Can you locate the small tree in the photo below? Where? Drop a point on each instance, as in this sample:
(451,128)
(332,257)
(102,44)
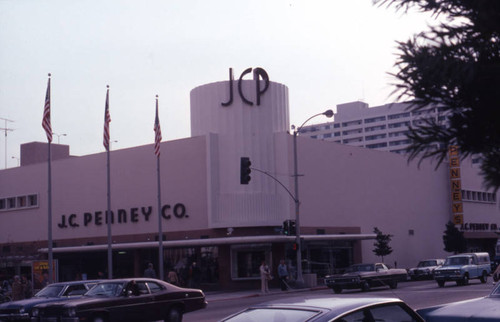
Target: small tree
(454,240)
(381,244)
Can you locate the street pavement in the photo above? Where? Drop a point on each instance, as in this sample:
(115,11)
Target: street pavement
(231,295)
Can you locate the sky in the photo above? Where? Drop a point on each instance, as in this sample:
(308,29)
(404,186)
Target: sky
(327,52)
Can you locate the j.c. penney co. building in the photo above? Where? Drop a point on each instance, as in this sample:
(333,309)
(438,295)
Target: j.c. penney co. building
(227,228)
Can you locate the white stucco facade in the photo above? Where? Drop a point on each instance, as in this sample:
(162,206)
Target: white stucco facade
(345,191)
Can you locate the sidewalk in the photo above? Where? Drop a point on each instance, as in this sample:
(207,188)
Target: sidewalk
(231,295)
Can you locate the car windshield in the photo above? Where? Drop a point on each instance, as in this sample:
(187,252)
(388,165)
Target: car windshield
(274,314)
(360,268)
(50,291)
(427,263)
(106,289)
(456,261)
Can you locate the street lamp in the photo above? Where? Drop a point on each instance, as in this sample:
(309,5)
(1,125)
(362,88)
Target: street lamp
(300,278)
(59,136)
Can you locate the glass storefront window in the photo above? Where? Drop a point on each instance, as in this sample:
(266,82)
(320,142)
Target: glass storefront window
(246,260)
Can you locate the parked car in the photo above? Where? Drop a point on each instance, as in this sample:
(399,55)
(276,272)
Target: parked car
(130,299)
(481,309)
(425,269)
(463,267)
(366,276)
(21,310)
(329,309)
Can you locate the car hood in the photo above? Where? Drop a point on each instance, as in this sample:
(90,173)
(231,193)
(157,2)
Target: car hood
(350,274)
(29,303)
(81,301)
(483,309)
(449,267)
(423,267)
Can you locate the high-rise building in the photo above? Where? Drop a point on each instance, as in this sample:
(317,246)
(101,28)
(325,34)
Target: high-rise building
(381,128)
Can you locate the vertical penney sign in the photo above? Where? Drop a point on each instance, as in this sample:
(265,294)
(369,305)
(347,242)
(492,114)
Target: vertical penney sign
(456,186)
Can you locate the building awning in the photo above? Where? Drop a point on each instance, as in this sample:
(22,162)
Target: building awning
(208,242)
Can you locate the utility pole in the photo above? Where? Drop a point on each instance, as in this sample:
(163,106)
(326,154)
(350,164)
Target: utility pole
(6,129)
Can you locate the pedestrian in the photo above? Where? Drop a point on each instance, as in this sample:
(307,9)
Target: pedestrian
(17,289)
(283,275)
(265,276)
(194,275)
(150,271)
(27,287)
(172,277)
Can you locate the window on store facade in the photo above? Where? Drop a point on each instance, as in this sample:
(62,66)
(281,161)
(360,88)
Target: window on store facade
(246,260)
(19,202)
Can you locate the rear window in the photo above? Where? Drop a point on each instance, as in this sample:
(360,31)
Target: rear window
(387,313)
(74,290)
(274,314)
(154,287)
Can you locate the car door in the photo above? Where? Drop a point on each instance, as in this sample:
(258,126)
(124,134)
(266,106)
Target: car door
(163,300)
(133,304)
(381,275)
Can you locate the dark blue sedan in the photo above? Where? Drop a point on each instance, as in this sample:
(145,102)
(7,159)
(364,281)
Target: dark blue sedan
(368,309)
(21,310)
(482,309)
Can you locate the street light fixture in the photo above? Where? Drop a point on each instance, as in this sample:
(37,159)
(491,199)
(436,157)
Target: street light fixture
(59,136)
(300,278)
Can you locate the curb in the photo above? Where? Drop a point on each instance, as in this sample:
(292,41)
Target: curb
(241,296)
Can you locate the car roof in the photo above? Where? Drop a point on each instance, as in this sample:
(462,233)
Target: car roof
(76,282)
(335,305)
(129,279)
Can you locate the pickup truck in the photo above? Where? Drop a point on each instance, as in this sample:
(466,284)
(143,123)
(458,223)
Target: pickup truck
(366,276)
(463,267)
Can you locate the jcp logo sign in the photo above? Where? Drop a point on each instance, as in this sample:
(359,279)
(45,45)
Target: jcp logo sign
(258,75)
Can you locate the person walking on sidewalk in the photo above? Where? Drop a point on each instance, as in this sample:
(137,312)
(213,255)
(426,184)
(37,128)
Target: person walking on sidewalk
(265,276)
(150,271)
(283,275)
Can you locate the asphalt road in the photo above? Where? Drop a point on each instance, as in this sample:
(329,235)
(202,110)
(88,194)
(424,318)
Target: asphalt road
(418,295)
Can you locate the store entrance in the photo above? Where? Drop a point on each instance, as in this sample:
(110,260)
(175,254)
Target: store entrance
(327,257)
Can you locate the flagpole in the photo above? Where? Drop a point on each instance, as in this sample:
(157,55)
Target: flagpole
(160,230)
(108,219)
(49,195)
(46,124)
(108,212)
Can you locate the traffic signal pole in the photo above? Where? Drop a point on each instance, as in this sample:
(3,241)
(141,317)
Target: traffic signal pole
(245,178)
(300,278)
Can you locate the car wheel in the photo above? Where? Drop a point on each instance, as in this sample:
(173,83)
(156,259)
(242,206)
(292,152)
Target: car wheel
(365,287)
(440,283)
(337,290)
(484,278)
(465,280)
(174,315)
(393,284)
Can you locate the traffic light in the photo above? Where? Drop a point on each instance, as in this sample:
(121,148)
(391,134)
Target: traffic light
(291,226)
(295,246)
(286,227)
(245,170)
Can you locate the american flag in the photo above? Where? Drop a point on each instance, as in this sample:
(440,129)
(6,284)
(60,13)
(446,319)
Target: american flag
(157,130)
(107,119)
(46,114)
